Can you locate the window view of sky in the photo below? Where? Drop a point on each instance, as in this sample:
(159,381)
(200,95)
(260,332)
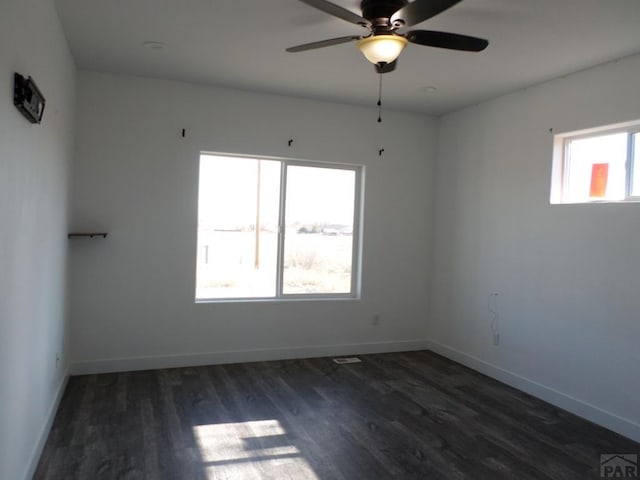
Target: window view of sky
(228,192)
(323,195)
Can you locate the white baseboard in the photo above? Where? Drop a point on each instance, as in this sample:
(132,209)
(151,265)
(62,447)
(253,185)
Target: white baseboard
(46,428)
(241,356)
(597,415)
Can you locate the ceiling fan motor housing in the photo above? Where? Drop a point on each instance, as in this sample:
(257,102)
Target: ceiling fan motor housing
(384,18)
(380,9)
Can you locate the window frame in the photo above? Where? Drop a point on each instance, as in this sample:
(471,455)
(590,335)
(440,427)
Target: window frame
(356,253)
(561,170)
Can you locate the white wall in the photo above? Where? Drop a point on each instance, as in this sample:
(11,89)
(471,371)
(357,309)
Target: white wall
(567,275)
(136,178)
(34,167)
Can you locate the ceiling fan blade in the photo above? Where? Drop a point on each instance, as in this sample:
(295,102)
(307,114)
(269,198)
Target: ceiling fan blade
(323,43)
(452,41)
(386,67)
(338,11)
(419,11)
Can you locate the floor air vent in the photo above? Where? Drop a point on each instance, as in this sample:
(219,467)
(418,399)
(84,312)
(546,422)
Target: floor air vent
(342,361)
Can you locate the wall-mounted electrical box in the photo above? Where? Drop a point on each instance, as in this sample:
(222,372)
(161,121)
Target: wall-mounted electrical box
(28,98)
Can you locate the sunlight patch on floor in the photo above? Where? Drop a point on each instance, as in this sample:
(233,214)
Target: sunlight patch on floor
(252,449)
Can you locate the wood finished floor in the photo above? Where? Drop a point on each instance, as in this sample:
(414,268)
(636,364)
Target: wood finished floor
(395,416)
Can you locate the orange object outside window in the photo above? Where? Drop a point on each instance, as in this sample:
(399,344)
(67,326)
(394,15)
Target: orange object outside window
(599,177)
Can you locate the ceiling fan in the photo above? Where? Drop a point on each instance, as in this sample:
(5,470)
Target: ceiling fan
(384,42)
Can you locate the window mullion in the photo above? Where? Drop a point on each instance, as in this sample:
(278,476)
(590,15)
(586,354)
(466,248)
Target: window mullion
(629,166)
(356,249)
(566,169)
(281,229)
(633,150)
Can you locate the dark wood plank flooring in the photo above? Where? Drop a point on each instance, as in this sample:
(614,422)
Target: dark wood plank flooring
(394,416)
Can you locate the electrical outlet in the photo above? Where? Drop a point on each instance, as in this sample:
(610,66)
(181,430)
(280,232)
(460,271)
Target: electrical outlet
(375,320)
(496,339)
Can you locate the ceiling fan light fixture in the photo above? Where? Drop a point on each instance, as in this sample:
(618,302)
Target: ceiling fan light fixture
(382,48)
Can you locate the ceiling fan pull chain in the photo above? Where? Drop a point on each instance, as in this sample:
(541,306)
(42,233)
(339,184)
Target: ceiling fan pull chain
(380,100)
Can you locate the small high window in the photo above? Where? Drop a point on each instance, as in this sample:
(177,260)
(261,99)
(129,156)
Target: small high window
(598,165)
(277,229)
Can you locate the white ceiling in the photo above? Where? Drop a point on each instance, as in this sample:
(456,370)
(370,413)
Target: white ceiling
(241,44)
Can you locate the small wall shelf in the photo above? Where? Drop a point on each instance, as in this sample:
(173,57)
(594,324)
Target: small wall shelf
(87,235)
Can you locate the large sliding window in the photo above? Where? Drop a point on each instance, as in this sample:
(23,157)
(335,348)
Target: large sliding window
(277,229)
